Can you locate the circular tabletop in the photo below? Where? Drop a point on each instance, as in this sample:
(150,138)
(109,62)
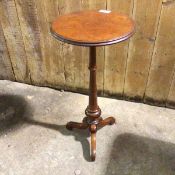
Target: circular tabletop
(93,28)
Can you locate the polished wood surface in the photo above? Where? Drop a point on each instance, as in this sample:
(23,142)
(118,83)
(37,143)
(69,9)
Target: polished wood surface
(93,28)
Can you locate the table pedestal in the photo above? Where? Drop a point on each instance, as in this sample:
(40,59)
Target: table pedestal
(93,112)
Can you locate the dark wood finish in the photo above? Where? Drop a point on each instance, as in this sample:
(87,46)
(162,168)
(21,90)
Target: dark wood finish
(92,28)
(93,112)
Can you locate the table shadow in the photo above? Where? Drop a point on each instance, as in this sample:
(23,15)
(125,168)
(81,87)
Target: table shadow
(12,112)
(79,135)
(137,155)
(16,112)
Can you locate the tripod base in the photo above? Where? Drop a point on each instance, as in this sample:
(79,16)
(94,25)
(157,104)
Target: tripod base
(93,126)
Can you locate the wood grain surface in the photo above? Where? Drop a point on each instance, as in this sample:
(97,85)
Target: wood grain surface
(163,61)
(93,28)
(140,69)
(5,62)
(14,39)
(116,55)
(146,14)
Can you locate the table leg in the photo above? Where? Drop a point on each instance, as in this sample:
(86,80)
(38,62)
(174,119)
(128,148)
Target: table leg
(93,112)
(93,130)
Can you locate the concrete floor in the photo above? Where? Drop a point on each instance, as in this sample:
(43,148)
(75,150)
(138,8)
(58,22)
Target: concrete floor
(34,141)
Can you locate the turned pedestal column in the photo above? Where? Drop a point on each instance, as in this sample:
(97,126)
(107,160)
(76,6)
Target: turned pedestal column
(93,112)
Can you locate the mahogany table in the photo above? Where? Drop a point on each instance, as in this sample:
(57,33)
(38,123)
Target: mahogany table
(92,29)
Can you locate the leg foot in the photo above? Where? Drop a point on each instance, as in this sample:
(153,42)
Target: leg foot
(107,121)
(76,125)
(93,129)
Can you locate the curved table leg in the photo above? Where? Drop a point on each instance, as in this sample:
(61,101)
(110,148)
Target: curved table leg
(93,130)
(72,125)
(107,121)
